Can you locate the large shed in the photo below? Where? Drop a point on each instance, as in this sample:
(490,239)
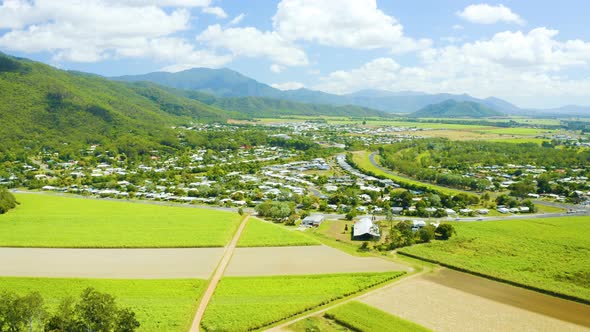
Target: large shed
(365,229)
(314,220)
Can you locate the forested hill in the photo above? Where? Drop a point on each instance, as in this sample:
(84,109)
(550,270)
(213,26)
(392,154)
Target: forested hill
(43,107)
(456,109)
(269,107)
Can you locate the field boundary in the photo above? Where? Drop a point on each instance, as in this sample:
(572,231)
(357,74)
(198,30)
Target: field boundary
(208,294)
(499,279)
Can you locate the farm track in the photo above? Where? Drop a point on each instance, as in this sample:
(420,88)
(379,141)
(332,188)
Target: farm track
(229,251)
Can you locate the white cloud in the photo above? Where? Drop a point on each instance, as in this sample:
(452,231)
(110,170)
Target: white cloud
(357,24)
(288,86)
(530,68)
(95,30)
(457,27)
(252,42)
(487,14)
(236,20)
(276,68)
(217,11)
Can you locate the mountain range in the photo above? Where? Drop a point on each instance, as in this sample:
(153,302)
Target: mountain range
(228,83)
(456,109)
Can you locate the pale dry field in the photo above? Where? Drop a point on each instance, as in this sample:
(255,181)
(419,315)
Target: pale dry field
(453,301)
(109,263)
(266,261)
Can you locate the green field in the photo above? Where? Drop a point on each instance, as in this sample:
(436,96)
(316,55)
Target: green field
(161,305)
(249,303)
(552,254)
(54,221)
(361,317)
(260,233)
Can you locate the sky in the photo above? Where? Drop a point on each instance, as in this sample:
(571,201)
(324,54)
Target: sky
(533,53)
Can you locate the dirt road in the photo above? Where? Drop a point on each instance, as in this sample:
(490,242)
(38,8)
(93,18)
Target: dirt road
(109,263)
(229,250)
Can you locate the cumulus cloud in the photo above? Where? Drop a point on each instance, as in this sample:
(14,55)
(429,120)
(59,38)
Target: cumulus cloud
(217,11)
(96,30)
(357,24)
(288,86)
(252,42)
(487,14)
(530,67)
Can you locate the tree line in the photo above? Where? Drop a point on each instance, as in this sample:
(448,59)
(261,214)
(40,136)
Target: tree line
(92,312)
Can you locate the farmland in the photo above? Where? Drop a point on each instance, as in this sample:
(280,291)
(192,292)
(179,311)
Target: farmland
(160,305)
(269,261)
(260,233)
(552,254)
(245,303)
(361,317)
(53,221)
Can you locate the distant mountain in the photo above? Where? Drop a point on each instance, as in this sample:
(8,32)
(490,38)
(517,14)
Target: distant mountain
(220,82)
(228,83)
(42,107)
(568,110)
(455,109)
(268,107)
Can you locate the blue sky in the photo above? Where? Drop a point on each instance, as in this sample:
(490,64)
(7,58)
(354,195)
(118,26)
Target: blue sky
(531,53)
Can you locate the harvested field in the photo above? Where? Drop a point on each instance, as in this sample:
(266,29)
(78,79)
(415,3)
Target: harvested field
(454,301)
(109,263)
(269,261)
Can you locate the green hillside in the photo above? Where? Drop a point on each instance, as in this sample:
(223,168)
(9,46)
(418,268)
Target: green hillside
(455,109)
(268,107)
(43,107)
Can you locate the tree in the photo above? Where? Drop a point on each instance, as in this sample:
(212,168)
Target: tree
(445,231)
(32,309)
(7,200)
(426,233)
(97,311)
(241,211)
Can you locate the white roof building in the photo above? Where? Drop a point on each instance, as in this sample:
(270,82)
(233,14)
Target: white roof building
(365,226)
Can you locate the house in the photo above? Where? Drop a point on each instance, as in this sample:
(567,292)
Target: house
(365,229)
(483,211)
(397,210)
(417,224)
(503,210)
(314,220)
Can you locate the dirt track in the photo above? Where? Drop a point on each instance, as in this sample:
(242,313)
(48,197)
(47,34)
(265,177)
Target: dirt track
(454,301)
(109,263)
(303,260)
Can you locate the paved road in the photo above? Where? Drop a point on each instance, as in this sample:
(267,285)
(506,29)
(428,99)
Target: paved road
(229,251)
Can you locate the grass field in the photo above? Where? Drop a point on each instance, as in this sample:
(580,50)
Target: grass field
(160,305)
(551,254)
(361,159)
(316,323)
(249,303)
(259,233)
(361,317)
(54,221)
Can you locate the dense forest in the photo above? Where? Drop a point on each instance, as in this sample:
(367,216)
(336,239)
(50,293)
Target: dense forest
(46,108)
